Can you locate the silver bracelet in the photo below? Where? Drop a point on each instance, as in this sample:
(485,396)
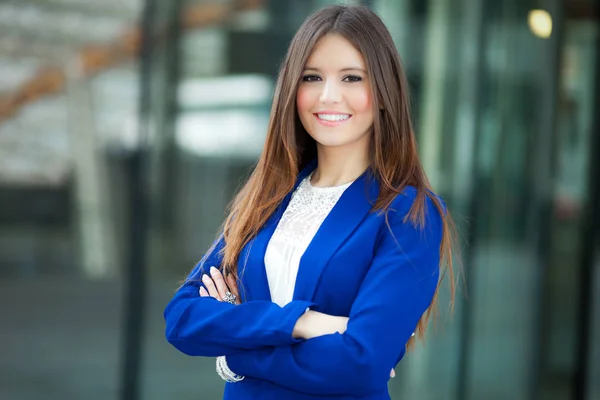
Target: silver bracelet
(225,372)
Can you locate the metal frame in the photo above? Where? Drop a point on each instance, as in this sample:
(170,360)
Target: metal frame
(155,15)
(591,236)
(545,170)
(466,320)
(135,288)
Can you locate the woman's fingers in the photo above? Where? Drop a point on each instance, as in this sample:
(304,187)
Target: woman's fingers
(210,286)
(393,373)
(220,284)
(217,286)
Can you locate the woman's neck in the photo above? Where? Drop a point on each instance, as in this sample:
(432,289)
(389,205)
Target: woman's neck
(337,166)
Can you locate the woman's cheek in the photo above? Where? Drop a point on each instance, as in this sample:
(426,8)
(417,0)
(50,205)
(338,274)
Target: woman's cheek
(303,100)
(362,101)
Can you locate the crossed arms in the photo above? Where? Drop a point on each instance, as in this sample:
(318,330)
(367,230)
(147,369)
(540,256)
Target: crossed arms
(265,341)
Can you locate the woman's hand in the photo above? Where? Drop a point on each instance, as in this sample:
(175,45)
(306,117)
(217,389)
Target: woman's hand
(313,323)
(218,286)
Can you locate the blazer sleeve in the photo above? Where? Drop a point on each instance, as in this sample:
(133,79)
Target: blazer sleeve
(395,293)
(203,326)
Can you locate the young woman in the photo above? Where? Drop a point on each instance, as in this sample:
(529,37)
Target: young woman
(336,242)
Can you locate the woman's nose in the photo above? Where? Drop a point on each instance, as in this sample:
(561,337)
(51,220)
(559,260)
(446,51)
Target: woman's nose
(331,93)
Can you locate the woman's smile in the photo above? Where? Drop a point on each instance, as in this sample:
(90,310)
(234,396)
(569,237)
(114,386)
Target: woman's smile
(332,119)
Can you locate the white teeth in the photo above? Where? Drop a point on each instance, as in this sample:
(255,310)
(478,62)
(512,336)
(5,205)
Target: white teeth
(334,117)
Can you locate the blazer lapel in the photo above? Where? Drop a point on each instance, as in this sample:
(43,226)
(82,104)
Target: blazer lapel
(252,264)
(252,259)
(352,207)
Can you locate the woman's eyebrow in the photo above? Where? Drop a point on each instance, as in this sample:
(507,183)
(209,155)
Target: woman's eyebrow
(341,70)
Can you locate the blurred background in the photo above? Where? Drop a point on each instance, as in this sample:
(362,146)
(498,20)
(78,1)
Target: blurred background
(127,125)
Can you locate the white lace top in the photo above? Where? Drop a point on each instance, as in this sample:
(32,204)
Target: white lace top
(308,208)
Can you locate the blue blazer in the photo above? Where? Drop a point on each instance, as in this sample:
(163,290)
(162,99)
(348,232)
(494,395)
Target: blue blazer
(382,277)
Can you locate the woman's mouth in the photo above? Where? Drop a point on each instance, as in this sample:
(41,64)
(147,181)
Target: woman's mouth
(332,119)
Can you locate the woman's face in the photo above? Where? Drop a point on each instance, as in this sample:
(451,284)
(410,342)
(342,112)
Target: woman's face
(334,96)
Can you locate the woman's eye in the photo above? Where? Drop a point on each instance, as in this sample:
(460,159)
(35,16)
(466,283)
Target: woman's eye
(352,78)
(310,78)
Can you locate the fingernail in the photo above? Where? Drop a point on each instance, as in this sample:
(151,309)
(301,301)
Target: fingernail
(213,270)
(204,277)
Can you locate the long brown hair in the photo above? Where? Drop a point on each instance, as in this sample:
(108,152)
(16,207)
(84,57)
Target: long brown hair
(288,147)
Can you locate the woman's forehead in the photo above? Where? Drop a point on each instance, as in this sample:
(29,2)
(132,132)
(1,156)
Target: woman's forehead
(334,52)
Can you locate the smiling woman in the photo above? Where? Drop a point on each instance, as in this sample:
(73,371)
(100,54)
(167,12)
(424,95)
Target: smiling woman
(331,257)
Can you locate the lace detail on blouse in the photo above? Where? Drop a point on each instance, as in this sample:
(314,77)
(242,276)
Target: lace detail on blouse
(308,208)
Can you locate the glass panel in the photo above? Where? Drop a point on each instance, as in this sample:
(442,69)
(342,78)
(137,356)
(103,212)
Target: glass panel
(503,256)
(570,194)
(68,104)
